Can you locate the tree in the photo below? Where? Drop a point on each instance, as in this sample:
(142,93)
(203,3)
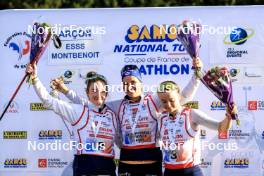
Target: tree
(34,4)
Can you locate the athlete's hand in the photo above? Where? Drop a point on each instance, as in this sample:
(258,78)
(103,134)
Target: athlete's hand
(58,84)
(229,112)
(32,70)
(197,63)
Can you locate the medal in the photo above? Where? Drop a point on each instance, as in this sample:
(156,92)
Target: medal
(133,119)
(171,131)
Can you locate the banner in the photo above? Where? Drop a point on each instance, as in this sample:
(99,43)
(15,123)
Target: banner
(104,40)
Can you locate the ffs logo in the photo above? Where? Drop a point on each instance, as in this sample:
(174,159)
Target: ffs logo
(22,48)
(19,44)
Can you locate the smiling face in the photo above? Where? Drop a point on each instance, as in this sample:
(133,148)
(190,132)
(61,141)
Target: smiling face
(169,95)
(169,100)
(97,93)
(132,86)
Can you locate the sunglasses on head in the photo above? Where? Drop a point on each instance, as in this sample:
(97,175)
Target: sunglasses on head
(94,77)
(129,68)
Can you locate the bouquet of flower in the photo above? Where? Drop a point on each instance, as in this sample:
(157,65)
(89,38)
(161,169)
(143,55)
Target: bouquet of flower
(40,38)
(217,79)
(41,35)
(189,36)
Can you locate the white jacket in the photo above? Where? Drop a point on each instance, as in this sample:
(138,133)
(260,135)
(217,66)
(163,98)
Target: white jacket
(95,132)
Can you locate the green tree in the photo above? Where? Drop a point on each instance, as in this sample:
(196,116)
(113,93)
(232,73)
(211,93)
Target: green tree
(34,4)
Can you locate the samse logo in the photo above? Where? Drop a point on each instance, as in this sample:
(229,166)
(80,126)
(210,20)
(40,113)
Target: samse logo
(15,163)
(236,163)
(154,33)
(217,105)
(50,134)
(143,40)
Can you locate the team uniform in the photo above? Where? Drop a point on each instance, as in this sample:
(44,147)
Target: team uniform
(180,142)
(139,127)
(138,122)
(95,131)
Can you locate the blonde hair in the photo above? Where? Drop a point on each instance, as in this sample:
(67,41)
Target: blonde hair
(166,86)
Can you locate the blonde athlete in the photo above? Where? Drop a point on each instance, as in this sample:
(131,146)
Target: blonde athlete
(179,132)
